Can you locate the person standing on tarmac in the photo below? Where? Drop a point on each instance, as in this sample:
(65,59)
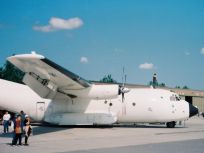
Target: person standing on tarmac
(6,120)
(28,129)
(18,130)
(22,116)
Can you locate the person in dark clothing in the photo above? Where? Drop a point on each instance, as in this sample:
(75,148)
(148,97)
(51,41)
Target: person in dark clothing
(28,128)
(22,117)
(155,83)
(18,130)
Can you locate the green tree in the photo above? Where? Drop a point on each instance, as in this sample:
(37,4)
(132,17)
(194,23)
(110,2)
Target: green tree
(185,87)
(11,73)
(150,83)
(108,79)
(178,87)
(158,84)
(1,69)
(162,85)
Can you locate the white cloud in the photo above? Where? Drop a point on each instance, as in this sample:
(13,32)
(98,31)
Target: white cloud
(60,24)
(187,53)
(202,51)
(146,66)
(84,60)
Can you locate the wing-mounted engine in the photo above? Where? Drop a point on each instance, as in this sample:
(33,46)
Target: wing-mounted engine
(95,92)
(103,91)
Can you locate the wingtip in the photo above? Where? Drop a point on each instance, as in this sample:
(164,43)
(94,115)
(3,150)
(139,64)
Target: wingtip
(33,55)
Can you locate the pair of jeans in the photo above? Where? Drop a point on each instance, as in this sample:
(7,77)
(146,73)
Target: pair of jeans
(6,126)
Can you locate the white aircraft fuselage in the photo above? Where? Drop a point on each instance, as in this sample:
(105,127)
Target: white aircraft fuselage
(140,105)
(55,95)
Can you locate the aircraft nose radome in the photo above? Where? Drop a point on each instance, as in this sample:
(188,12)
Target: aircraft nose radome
(192,110)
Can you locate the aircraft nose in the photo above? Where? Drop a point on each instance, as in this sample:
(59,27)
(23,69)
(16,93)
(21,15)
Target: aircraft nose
(192,110)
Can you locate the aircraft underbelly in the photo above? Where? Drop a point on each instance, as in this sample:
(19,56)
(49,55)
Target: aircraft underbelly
(81,118)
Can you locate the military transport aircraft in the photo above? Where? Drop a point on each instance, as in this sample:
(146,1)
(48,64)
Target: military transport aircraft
(55,95)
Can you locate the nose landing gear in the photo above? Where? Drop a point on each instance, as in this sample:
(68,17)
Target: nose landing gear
(170,124)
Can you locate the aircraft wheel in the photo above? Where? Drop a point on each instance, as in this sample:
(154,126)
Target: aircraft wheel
(170,124)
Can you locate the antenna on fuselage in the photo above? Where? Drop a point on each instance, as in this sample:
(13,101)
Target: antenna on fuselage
(123,74)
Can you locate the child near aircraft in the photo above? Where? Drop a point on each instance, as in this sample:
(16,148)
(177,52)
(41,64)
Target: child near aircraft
(28,128)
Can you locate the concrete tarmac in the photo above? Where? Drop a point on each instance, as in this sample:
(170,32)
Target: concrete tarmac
(142,138)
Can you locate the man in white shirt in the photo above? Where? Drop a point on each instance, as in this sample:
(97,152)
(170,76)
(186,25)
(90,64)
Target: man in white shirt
(6,119)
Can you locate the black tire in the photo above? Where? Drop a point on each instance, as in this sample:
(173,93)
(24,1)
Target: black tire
(170,124)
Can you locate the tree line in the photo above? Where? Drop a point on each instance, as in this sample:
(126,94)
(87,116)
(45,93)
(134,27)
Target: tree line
(9,72)
(108,79)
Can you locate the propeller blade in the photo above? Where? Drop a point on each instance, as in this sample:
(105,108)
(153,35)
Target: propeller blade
(122,88)
(123,97)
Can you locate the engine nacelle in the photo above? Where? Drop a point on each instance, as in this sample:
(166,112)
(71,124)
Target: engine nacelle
(103,91)
(97,92)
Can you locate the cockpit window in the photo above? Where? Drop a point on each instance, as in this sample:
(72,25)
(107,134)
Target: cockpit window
(178,98)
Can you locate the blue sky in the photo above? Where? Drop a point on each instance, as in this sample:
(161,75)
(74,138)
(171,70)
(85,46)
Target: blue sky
(93,38)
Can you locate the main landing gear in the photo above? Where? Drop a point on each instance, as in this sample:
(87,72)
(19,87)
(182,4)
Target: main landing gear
(170,124)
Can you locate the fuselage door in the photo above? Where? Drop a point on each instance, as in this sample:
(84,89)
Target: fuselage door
(40,110)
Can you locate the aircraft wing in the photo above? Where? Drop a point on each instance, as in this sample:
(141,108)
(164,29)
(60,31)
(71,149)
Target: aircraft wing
(45,77)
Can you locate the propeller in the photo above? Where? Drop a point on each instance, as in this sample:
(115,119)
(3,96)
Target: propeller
(123,89)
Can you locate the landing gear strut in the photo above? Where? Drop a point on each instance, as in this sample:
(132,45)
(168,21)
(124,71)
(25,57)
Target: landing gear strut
(170,124)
